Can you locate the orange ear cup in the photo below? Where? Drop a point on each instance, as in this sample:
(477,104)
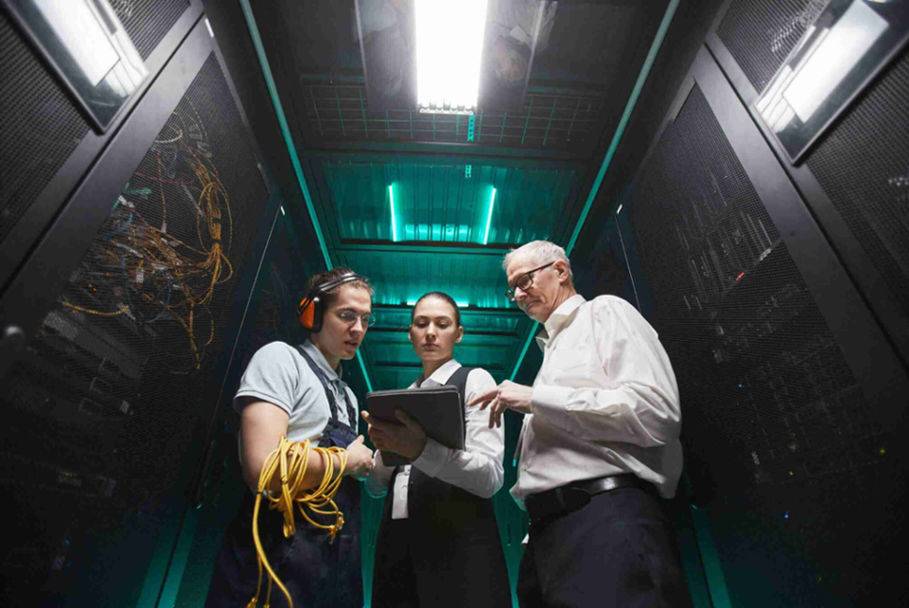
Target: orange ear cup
(307,313)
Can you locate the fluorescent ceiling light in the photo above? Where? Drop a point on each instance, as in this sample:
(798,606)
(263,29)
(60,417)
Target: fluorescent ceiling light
(394,221)
(450,38)
(492,203)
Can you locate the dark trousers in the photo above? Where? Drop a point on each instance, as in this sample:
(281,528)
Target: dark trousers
(618,550)
(419,565)
(317,572)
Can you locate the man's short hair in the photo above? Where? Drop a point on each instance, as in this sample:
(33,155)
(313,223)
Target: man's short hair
(329,297)
(538,253)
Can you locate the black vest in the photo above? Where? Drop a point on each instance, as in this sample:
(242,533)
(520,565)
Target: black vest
(452,539)
(441,505)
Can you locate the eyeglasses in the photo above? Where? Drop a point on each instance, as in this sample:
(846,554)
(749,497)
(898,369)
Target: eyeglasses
(350,317)
(525,280)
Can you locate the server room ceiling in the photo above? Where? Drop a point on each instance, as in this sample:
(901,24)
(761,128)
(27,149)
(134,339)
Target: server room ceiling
(533,167)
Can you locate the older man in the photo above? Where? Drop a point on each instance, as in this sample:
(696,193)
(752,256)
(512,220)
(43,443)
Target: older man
(599,445)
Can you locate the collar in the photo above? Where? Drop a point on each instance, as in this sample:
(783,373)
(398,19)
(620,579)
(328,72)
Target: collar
(313,351)
(441,375)
(559,318)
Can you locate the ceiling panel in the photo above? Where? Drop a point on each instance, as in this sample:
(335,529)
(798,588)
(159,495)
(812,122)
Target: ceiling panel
(451,202)
(393,362)
(568,119)
(401,276)
(448,232)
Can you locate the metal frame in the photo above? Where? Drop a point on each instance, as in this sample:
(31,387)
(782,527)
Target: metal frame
(15,247)
(45,273)
(349,118)
(34,289)
(858,264)
(865,348)
(869,355)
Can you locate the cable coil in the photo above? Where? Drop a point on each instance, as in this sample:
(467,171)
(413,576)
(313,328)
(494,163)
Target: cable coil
(288,463)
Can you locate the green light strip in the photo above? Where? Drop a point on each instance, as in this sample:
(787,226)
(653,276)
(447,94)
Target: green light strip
(285,127)
(626,117)
(291,147)
(610,152)
(394,220)
(710,559)
(492,203)
(530,335)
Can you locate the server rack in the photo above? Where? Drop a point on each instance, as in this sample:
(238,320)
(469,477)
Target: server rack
(853,178)
(793,392)
(132,272)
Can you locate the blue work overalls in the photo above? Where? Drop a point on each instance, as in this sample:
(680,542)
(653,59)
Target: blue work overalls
(315,571)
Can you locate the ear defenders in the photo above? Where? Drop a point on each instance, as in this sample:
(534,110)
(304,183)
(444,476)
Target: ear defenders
(311,309)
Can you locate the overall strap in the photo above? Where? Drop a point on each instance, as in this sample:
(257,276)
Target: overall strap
(329,394)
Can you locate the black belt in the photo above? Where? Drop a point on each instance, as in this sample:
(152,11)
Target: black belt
(574,495)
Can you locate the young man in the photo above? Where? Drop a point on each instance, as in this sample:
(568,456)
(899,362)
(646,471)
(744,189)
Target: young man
(598,448)
(297,392)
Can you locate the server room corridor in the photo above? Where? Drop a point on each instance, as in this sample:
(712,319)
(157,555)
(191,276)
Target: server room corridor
(173,171)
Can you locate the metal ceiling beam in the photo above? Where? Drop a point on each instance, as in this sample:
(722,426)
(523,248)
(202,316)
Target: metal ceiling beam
(459,152)
(473,332)
(610,151)
(291,145)
(431,247)
(509,312)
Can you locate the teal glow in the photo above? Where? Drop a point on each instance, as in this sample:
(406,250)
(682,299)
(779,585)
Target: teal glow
(610,152)
(716,581)
(462,304)
(530,335)
(492,203)
(626,117)
(394,220)
(175,573)
(291,146)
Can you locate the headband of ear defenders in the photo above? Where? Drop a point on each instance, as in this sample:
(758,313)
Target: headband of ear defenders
(309,309)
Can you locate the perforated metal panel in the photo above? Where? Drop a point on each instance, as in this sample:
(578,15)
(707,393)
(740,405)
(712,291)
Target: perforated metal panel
(102,408)
(552,121)
(774,420)
(147,21)
(863,166)
(39,123)
(760,33)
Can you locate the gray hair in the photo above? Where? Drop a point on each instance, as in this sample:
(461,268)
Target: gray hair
(538,253)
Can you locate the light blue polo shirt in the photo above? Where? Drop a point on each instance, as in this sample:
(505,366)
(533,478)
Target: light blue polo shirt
(278,374)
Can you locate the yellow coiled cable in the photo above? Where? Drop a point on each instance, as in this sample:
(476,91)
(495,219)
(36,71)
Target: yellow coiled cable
(289,461)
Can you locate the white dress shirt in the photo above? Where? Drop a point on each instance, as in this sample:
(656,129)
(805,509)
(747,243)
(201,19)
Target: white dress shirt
(476,469)
(605,401)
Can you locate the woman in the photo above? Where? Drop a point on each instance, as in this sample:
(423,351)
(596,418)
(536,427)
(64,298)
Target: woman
(438,543)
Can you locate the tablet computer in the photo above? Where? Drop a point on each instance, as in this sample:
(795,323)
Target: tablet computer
(438,409)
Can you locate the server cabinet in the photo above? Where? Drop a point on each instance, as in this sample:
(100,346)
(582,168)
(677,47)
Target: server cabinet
(854,178)
(117,331)
(270,316)
(48,143)
(793,397)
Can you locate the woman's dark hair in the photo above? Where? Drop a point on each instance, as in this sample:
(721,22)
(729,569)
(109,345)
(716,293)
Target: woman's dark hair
(441,295)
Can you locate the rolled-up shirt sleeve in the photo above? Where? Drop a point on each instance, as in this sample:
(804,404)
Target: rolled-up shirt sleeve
(640,402)
(477,468)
